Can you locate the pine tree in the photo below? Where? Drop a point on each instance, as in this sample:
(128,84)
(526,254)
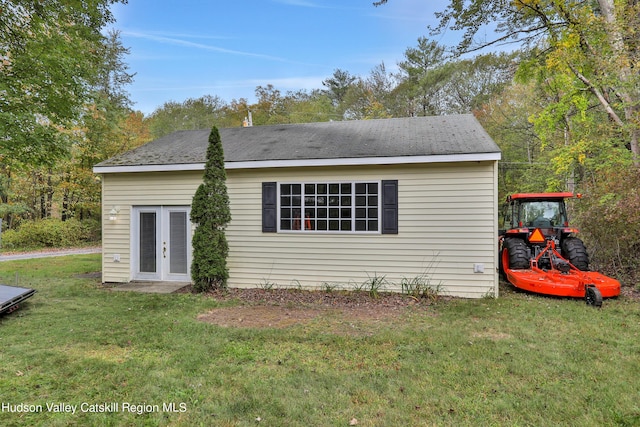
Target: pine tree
(210,211)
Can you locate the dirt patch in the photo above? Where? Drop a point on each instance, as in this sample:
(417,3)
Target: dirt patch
(280,308)
(350,312)
(630,292)
(268,316)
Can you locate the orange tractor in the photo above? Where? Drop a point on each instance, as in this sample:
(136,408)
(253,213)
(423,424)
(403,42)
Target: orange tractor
(540,253)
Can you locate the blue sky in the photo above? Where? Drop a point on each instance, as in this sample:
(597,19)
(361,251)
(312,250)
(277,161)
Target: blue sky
(183,49)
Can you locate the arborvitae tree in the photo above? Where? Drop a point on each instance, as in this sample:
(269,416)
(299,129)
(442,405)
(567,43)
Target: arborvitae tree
(210,211)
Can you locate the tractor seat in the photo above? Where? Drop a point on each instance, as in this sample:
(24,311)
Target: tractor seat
(542,223)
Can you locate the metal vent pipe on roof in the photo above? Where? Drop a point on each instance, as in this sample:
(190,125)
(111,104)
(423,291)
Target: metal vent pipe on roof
(248,121)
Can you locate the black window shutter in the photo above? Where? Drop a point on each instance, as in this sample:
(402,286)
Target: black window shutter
(390,206)
(269,207)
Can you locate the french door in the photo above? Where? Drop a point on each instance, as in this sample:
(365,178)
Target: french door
(161,243)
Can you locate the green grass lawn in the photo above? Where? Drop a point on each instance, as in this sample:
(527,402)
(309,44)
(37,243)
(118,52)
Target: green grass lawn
(137,359)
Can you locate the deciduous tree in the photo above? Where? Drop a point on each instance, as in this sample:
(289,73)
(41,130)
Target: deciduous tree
(49,56)
(585,46)
(192,113)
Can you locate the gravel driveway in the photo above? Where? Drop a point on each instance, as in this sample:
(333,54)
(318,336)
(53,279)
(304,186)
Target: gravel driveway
(49,253)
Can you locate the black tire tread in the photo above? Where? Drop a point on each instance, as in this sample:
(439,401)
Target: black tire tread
(574,250)
(519,253)
(593,296)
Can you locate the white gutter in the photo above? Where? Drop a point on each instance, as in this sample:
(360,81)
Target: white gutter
(257,164)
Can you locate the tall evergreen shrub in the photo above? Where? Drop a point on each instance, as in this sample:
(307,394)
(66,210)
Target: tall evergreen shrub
(210,212)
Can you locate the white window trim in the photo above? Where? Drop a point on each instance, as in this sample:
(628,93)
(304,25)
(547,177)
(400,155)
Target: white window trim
(353,206)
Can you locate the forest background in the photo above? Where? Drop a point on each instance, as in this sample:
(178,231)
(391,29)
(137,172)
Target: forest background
(559,93)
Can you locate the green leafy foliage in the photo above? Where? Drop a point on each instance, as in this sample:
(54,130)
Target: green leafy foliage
(583,56)
(49,146)
(338,84)
(50,56)
(209,264)
(435,82)
(13,211)
(192,113)
(52,233)
(609,217)
(211,201)
(210,211)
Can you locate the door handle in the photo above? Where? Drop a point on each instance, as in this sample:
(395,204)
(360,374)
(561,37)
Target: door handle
(164,249)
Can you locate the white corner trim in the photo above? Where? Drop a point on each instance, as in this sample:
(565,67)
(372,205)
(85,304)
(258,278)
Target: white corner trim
(355,161)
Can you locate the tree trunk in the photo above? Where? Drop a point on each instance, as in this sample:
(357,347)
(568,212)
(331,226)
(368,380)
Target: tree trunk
(65,205)
(622,60)
(50,192)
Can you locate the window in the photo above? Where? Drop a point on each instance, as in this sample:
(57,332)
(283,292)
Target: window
(334,206)
(331,207)
(544,213)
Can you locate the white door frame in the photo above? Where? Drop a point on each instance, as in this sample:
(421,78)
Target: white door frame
(159,267)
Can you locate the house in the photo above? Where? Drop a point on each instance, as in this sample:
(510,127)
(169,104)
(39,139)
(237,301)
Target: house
(340,204)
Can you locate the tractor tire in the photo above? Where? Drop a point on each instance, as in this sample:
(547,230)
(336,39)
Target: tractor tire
(574,250)
(519,253)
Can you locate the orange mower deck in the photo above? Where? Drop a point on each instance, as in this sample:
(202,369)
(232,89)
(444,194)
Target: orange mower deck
(560,280)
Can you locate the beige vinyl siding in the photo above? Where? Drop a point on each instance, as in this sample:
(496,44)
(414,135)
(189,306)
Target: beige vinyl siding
(446,225)
(126,190)
(446,219)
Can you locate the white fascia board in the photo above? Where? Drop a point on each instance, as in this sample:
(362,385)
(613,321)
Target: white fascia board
(356,161)
(150,168)
(360,161)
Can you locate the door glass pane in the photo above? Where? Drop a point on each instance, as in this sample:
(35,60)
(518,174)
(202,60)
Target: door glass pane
(178,242)
(148,242)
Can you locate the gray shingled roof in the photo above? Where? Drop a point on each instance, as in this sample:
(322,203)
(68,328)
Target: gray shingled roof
(416,136)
